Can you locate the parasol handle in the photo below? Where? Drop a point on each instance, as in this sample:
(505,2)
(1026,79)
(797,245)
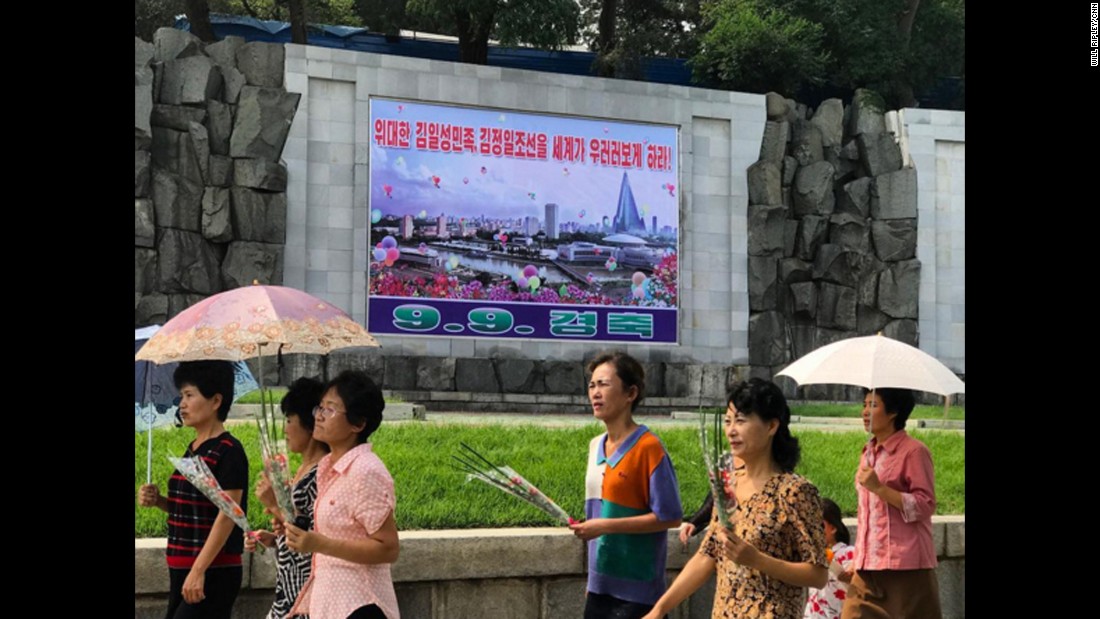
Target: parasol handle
(149,457)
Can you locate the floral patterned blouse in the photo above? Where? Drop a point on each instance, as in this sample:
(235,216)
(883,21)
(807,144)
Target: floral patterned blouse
(783,519)
(828,602)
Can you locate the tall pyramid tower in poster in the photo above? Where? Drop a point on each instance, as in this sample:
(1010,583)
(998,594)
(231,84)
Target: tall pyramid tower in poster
(626,215)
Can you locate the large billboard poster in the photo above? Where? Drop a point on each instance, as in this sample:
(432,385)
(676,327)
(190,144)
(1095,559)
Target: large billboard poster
(490,223)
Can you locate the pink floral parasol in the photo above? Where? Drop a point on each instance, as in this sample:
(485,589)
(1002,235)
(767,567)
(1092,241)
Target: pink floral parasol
(246,322)
(254,321)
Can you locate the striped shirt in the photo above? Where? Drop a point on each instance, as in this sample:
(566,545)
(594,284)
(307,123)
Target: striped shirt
(293,568)
(191,515)
(637,479)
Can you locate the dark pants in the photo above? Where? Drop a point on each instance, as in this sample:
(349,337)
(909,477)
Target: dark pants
(367,612)
(221,586)
(599,606)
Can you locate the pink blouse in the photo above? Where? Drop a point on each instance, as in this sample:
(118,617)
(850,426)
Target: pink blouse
(354,498)
(888,538)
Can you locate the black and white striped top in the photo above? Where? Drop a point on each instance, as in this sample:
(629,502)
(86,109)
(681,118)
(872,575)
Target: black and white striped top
(292,568)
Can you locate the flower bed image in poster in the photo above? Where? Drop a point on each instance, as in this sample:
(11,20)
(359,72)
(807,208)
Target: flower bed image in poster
(490,223)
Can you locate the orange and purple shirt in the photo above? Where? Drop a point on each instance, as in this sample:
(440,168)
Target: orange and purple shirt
(637,479)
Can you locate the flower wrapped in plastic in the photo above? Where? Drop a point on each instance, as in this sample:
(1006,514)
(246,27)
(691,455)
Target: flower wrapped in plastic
(274,453)
(202,478)
(719,465)
(506,479)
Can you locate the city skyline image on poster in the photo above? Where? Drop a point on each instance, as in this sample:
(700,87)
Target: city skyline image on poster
(493,223)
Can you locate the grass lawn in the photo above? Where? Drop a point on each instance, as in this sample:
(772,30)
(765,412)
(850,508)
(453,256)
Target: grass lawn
(275,396)
(854,409)
(432,495)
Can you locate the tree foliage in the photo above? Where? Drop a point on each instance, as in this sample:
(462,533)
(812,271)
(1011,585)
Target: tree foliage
(624,32)
(891,46)
(152,14)
(756,48)
(333,12)
(540,23)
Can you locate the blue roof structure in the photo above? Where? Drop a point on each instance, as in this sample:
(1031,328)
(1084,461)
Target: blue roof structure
(659,70)
(944,95)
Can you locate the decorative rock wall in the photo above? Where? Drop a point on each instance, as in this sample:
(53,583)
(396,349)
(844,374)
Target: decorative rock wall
(210,121)
(832,234)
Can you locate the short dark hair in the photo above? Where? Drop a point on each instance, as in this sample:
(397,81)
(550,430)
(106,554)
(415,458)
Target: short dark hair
(831,512)
(301,398)
(627,369)
(897,402)
(362,398)
(210,378)
(764,399)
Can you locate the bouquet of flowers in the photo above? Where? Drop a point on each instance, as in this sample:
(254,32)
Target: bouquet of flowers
(200,476)
(506,479)
(273,451)
(719,465)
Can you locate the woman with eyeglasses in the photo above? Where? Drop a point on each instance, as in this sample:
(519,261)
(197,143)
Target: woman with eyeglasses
(291,568)
(354,536)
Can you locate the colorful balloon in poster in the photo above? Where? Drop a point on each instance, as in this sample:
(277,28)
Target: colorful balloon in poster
(435,179)
(389,190)
(375,216)
(389,242)
(379,254)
